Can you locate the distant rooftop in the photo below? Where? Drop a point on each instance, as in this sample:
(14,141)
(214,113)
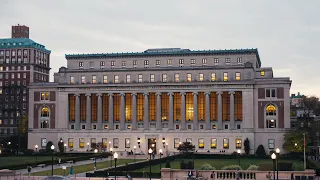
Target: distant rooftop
(296,96)
(21,43)
(166,52)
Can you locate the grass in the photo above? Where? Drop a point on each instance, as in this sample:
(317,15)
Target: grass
(82,168)
(20,160)
(217,163)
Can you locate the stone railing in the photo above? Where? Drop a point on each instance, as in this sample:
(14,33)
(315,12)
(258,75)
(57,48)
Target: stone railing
(182,174)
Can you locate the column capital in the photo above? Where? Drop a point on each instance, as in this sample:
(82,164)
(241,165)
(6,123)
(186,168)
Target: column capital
(231,92)
(77,94)
(170,93)
(145,94)
(88,94)
(99,94)
(195,93)
(110,94)
(182,93)
(219,92)
(158,93)
(122,94)
(207,93)
(133,94)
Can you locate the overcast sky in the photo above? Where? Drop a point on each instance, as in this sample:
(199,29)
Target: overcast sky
(286,32)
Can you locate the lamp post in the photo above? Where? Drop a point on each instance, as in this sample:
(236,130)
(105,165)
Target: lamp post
(134,154)
(160,153)
(277,161)
(65,147)
(239,152)
(115,156)
(150,153)
(88,146)
(111,157)
(95,160)
(52,148)
(273,157)
(167,149)
(36,146)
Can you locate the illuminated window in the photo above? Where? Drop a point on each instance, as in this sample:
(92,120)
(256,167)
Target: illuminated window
(169,62)
(225,76)
(164,77)
(72,107)
(164,106)
(127,142)
(105,79)
(176,142)
(116,79)
(271,110)
(201,143)
(261,73)
(213,76)
(116,107)
(128,78)
(271,143)
(83,79)
(105,126)
(238,105)
(44,96)
(226,143)
(238,76)
(189,106)
(193,61)
(105,107)
(128,126)
(45,111)
(83,107)
(152,106)
(104,142)
(238,143)
(94,79)
(214,126)
(157,62)
(176,77)
(225,106)
(201,106)
(213,143)
(151,77)
(94,107)
(81,143)
(176,106)
(128,105)
(113,63)
(140,110)
(72,80)
(189,77)
(201,77)
(213,106)
(70,142)
(115,142)
(140,78)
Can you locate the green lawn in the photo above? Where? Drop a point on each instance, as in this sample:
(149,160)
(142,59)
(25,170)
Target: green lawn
(217,163)
(17,160)
(83,168)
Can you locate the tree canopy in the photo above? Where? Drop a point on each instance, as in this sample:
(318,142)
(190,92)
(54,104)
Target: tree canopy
(186,147)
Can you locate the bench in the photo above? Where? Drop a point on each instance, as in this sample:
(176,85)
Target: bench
(41,165)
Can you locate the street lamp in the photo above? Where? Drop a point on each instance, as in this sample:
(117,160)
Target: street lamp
(239,152)
(167,149)
(111,157)
(150,153)
(277,161)
(88,146)
(52,148)
(65,147)
(134,154)
(95,160)
(115,156)
(36,146)
(160,153)
(273,157)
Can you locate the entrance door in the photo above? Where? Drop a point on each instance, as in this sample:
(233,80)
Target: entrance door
(152,144)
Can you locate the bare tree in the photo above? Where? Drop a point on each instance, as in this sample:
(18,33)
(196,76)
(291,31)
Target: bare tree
(309,104)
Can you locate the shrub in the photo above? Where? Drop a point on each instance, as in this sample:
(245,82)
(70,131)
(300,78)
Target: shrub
(246,145)
(285,166)
(206,166)
(234,153)
(28,152)
(48,146)
(253,167)
(231,167)
(265,167)
(186,165)
(260,151)
(167,164)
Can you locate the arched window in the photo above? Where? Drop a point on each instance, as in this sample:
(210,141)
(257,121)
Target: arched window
(271,110)
(271,120)
(45,111)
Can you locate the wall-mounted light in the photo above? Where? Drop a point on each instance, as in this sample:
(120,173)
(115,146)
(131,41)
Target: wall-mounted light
(164,142)
(138,140)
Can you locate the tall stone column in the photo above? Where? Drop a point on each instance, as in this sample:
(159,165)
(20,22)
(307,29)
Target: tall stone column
(99,111)
(158,108)
(195,111)
(146,111)
(219,110)
(110,111)
(183,108)
(88,118)
(232,123)
(170,124)
(122,111)
(208,120)
(134,111)
(77,123)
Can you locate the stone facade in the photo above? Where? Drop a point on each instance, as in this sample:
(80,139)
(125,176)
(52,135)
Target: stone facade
(160,98)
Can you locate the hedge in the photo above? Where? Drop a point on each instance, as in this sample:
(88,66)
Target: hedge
(230,156)
(124,173)
(312,164)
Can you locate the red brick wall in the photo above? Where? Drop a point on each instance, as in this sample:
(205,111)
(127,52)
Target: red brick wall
(36,96)
(35,116)
(280,93)
(52,116)
(261,93)
(52,95)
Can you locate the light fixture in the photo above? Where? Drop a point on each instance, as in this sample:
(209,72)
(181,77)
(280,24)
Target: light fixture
(273,156)
(96,150)
(111,149)
(295,144)
(138,140)
(52,147)
(152,145)
(115,155)
(150,151)
(88,144)
(163,142)
(109,142)
(36,146)
(160,151)
(278,150)
(65,145)
(134,147)
(239,151)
